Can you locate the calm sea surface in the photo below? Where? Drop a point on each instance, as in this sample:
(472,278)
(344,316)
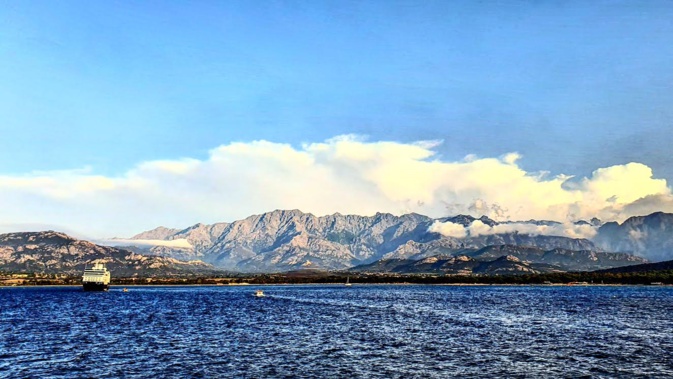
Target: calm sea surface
(337,332)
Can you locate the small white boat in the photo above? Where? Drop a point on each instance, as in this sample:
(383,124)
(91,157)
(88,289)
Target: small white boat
(348,283)
(259,293)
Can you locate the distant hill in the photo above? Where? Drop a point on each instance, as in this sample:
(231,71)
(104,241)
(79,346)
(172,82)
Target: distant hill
(646,267)
(649,236)
(460,265)
(52,252)
(504,259)
(563,259)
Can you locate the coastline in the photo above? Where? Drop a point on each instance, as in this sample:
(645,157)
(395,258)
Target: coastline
(121,286)
(591,279)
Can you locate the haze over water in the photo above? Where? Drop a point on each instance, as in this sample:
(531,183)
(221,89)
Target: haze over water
(336,331)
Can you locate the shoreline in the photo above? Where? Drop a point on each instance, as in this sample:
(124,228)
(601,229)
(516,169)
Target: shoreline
(121,286)
(589,279)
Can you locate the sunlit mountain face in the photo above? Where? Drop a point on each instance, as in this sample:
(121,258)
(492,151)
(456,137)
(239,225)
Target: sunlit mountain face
(291,239)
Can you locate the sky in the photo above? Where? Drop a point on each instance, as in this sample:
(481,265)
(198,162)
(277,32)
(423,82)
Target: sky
(120,116)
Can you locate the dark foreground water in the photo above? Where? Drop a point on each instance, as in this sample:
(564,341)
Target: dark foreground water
(337,331)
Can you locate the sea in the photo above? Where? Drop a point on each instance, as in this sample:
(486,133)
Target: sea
(335,331)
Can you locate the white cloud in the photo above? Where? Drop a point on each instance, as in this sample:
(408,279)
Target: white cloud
(179,243)
(511,158)
(478,228)
(562,229)
(345,174)
(448,229)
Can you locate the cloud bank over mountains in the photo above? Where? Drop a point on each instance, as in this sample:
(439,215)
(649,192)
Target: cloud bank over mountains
(478,228)
(345,174)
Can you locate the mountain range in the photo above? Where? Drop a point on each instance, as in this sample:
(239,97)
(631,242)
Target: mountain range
(285,240)
(290,239)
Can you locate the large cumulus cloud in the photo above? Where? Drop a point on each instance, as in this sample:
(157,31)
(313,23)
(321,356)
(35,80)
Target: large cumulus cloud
(345,174)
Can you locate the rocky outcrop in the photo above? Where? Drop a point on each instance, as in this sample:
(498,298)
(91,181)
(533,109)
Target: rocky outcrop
(160,233)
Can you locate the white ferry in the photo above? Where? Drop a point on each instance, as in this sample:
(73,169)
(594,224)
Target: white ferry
(96,278)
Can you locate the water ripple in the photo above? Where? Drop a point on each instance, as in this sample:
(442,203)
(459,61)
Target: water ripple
(337,332)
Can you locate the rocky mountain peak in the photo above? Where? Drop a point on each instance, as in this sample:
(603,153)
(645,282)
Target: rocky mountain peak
(466,220)
(158,233)
(648,236)
(37,238)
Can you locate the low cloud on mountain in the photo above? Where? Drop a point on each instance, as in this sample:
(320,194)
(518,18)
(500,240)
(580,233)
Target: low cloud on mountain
(345,174)
(478,228)
(176,243)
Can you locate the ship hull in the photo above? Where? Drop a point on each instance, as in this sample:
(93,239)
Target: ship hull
(88,286)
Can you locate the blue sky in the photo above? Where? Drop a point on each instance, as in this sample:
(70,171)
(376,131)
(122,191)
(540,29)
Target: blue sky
(571,86)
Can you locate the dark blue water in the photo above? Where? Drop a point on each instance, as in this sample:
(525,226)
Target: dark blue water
(337,331)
